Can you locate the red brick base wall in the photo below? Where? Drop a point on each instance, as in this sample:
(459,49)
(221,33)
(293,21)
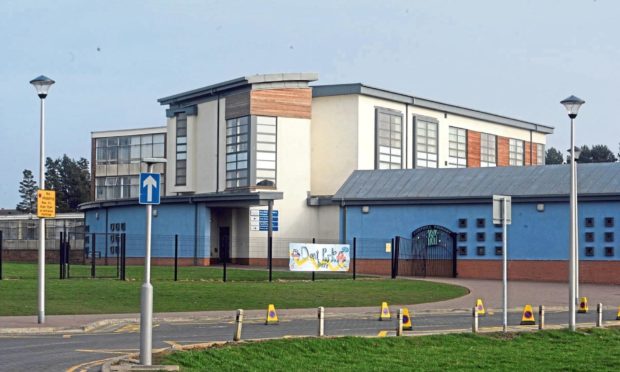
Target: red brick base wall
(32,255)
(599,272)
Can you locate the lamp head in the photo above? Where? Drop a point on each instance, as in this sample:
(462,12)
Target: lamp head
(42,84)
(572,105)
(577,151)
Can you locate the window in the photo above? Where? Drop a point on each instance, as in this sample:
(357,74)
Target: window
(388,139)
(540,154)
(122,187)
(425,143)
(457,148)
(488,150)
(237,139)
(129,149)
(266,141)
(181,150)
(515,152)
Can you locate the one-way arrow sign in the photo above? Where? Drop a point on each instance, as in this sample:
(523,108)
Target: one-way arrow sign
(149,188)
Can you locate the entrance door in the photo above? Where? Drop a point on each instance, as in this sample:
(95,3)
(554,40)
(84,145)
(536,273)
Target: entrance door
(224,244)
(432,252)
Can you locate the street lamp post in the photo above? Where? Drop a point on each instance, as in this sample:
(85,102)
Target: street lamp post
(42,85)
(574,156)
(572,105)
(146,292)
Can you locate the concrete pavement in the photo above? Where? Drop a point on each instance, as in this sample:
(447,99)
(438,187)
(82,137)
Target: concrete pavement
(552,295)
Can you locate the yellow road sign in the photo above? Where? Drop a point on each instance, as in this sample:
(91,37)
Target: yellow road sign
(46,203)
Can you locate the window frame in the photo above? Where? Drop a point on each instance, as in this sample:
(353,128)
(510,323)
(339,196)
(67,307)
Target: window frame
(485,150)
(454,161)
(417,119)
(180,157)
(390,113)
(517,144)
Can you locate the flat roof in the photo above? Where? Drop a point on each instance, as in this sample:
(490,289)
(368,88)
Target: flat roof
(128,132)
(238,83)
(367,90)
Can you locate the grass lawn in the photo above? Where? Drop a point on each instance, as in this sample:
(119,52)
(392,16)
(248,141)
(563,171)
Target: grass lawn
(248,290)
(591,350)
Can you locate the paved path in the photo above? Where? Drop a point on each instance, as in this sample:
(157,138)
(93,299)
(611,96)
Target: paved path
(519,293)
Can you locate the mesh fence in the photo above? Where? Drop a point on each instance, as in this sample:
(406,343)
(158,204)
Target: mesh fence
(191,257)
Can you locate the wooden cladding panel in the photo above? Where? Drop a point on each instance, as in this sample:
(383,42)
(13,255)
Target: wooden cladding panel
(292,102)
(503,156)
(473,149)
(535,154)
(238,105)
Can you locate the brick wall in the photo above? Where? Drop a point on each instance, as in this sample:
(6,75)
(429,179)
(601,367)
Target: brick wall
(527,158)
(503,159)
(599,272)
(473,149)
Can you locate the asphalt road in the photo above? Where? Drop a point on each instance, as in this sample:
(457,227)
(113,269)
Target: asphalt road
(60,352)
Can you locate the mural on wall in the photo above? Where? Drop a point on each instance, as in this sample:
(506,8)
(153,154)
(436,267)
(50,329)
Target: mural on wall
(319,257)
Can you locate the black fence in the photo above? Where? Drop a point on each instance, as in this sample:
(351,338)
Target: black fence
(189,257)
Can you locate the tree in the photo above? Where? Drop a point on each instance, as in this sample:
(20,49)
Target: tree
(602,154)
(70,179)
(28,193)
(596,154)
(553,156)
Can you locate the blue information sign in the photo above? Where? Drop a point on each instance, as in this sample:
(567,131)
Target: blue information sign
(149,188)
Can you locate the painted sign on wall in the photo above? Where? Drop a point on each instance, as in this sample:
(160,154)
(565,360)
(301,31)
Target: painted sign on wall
(319,257)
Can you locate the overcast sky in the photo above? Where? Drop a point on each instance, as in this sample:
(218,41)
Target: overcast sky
(112,59)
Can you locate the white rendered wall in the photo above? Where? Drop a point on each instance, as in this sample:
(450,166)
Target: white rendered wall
(206,152)
(297,221)
(334,142)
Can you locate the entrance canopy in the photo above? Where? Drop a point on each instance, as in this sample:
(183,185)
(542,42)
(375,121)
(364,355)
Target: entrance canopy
(216,199)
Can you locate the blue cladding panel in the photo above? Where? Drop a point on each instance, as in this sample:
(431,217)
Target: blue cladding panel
(533,235)
(181,219)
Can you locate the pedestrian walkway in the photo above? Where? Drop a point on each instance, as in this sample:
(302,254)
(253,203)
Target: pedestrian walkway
(519,293)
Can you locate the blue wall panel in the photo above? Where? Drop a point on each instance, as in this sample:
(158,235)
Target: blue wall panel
(189,221)
(532,235)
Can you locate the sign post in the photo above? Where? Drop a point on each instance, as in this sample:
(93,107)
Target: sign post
(502,206)
(149,194)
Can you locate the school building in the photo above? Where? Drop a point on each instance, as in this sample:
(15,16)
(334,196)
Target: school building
(237,149)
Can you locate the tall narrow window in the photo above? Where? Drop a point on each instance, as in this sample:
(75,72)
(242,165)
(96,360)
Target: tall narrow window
(516,152)
(457,148)
(266,141)
(181,150)
(237,140)
(540,154)
(425,143)
(388,139)
(488,150)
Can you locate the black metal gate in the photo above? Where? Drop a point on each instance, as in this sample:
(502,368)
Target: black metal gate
(431,251)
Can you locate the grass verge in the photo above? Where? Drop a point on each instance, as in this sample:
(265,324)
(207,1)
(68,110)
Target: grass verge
(18,293)
(593,349)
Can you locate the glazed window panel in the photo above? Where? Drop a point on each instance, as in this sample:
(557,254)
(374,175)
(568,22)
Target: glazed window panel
(457,149)
(236,152)
(266,155)
(181,150)
(425,143)
(540,154)
(488,150)
(388,148)
(515,152)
